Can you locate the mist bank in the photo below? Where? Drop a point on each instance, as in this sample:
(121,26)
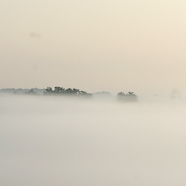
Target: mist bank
(142,99)
(58,141)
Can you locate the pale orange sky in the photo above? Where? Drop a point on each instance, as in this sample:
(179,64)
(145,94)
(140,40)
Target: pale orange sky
(135,45)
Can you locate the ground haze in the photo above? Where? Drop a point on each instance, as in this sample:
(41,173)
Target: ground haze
(72,142)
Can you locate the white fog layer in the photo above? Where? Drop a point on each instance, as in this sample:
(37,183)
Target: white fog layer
(52,141)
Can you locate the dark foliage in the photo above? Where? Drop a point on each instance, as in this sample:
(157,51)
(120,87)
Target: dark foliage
(129,97)
(67,92)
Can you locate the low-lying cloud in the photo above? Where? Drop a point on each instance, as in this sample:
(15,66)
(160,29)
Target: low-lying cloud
(56,141)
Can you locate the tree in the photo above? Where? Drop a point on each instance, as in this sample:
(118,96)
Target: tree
(49,90)
(129,97)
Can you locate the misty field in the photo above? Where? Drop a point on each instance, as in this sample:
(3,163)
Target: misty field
(52,141)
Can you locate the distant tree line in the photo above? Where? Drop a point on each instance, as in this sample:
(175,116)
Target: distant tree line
(20,91)
(67,92)
(60,91)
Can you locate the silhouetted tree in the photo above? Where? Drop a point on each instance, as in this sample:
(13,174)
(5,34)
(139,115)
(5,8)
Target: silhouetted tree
(58,90)
(129,97)
(49,90)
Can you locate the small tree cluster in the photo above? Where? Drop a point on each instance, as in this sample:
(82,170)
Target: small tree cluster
(68,92)
(130,96)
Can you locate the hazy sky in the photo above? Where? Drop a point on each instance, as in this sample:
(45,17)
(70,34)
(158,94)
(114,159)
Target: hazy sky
(136,45)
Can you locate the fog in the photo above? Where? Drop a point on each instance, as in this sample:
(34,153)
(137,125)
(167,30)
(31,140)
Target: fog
(57,141)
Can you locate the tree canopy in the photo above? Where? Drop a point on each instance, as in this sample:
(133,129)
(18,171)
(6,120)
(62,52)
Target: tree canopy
(129,97)
(68,92)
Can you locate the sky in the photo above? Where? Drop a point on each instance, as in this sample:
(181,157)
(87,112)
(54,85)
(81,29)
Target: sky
(121,45)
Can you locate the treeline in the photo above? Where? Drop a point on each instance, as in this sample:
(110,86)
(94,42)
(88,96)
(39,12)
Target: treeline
(21,91)
(60,91)
(67,92)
